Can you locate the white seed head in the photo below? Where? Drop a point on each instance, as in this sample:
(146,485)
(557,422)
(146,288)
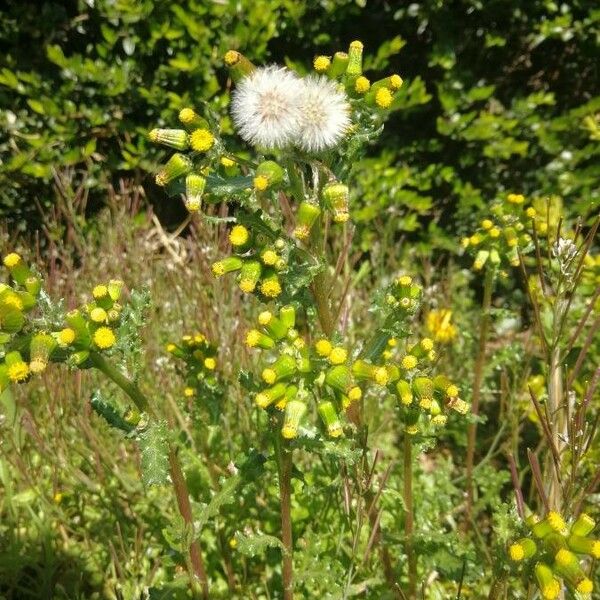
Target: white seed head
(324,114)
(265,107)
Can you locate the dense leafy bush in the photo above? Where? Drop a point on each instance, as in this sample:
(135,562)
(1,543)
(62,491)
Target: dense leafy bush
(498,95)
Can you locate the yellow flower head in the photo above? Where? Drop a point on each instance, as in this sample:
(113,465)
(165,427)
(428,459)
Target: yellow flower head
(362,85)
(261,183)
(396,82)
(104,338)
(239,235)
(355,393)
(556,521)
(100,291)
(252,338)
(189,392)
(321,63)
(98,315)
(439,325)
(18,371)
(231,57)
(202,140)
(227,162)
(383,98)
(187,115)
(551,590)
(269,257)
(323,348)
(585,586)
(516,552)
(210,363)
(381,376)
(409,361)
(11,260)
(516,198)
(270,288)
(66,336)
(338,356)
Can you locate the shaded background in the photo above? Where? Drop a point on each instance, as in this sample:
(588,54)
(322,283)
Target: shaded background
(498,95)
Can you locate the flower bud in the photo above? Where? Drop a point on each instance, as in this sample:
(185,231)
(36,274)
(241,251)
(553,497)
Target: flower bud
(287,314)
(255,338)
(423,388)
(173,138)
(249,276)
(481,259)
(194,189)
(339,378)
(17,368)
(33,285)
(355,52)
(284,367)
(522,549)
(274,326)
(553,522)
(583,525)
(584,545)
(267,397)
(294,411)
(11,318)
(290,394)
(339,64)
(191,120)
(40,349)
(270,286)
(404,392)
(330,419)
(335,195)
(239,66)
(227,265)
(79,359)
(4,378)
(76,321)
(305,218)
(19,271)
(268,175)
(177,166)
(549,586)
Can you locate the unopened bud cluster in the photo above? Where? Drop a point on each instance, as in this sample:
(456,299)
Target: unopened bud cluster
(199,357)
(26,350)
(555,550)
(259,259)
(501,237)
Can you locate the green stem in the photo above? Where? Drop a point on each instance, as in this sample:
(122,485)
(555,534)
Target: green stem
(198,571)
(284,463)
(557,426)
(477,383)
(409,522)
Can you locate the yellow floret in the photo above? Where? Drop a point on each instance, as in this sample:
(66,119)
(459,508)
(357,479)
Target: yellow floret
(188,392)
(187,115)
(404,280)
(252,338)
(362,85)
(11,260)
(269,376)
(338,356)
(66,336)
(202,140)
(210,363)
(487,224)
(239,235)
(104,338)
(516,552)
(396,82)
(355,393)
(231,57)
(556,521)
(269,257)
(261,183)
(98,315)
(227,162)
(323,348)
(247,285)
(271,288)
(383,98)
(18,371)
(321,63)
(585,586)
(551,591)
(531,212)
(427,344)
(100,291)
(409,361)
(452,391)
(381,376)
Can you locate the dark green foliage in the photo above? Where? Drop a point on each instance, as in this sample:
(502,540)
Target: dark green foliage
(497,95)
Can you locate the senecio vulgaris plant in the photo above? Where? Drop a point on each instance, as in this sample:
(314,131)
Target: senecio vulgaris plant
(288,194)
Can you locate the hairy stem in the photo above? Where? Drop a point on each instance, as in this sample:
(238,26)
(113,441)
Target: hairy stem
(198,571)
(477,382)
(409,523)
(284,463)
(557,424)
